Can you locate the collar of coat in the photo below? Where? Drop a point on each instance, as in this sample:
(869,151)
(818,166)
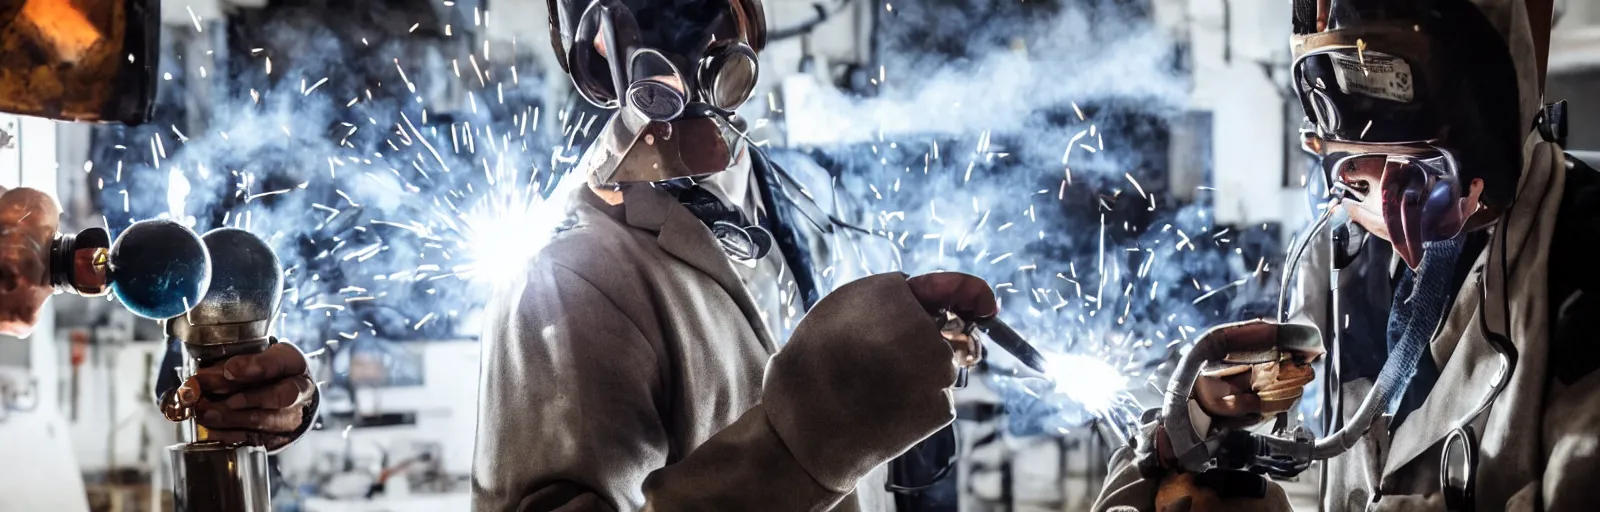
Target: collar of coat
(685,237)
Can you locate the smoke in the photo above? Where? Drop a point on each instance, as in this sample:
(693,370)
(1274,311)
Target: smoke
(393,175)
(1028,144)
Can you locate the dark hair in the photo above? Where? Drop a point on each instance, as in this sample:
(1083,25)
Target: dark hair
(1483,109)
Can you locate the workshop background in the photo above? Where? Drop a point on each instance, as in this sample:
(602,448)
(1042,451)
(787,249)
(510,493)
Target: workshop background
(1125,171)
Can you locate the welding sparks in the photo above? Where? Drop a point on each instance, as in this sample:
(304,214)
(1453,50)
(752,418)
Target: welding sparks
(253,197)
(508,227)
(448,198)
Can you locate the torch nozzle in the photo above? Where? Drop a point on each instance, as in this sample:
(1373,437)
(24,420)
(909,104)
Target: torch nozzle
(1007,339)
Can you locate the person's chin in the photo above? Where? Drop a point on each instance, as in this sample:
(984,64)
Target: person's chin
(1371,221)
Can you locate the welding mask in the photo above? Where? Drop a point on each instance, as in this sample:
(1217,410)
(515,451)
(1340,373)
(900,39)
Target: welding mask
(674,72)
(79,60)
(1399,123)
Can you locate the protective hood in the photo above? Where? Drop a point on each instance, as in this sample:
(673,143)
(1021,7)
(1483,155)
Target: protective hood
(1422,82)
(1510,18)
(1469,365)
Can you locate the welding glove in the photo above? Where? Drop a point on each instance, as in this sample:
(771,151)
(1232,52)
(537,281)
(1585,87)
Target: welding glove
(1264,373)
(867,374)
(29,220)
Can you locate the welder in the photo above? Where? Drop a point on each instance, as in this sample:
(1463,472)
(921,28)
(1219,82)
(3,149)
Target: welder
(634,365)
(1479,391)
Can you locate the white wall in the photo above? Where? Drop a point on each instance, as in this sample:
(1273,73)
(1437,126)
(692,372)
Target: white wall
(29,161)
(114,408)
(1575,40)
(39,435)
(1249,129)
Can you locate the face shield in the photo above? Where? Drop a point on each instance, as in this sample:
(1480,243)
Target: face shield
(1372,98)
(675,74)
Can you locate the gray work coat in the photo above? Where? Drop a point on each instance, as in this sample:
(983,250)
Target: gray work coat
(1538,441)
(624,369)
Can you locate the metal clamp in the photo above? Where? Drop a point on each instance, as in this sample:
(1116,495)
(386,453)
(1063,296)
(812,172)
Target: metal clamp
(1551,122)
(1457,487)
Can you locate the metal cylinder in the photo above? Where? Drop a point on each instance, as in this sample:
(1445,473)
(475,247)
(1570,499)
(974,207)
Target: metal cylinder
(234,318)
(217,477)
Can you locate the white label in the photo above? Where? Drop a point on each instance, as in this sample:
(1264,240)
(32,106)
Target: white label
(1374,75)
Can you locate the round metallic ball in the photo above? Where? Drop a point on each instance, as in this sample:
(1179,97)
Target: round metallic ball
(159,268)
(246,280)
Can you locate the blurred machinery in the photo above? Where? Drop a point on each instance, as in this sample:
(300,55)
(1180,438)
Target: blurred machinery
(398,428)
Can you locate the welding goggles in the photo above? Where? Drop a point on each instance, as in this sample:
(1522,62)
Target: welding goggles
(1373,98)
(664,61)
(674,72)
(1416,190)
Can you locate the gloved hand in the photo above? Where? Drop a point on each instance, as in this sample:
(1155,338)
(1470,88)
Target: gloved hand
(29,220)
(1264,373)
(257,399)
(967,297)
(867,374)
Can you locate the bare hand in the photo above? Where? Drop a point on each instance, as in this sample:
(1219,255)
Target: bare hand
(29,220)
(1258,378)
(257,399)
(966,296)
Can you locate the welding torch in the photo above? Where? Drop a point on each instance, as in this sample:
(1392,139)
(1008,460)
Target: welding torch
(999,333)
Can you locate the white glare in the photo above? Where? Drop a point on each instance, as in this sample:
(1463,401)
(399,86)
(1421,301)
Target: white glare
(1086,380)
(177,196)
(506,229)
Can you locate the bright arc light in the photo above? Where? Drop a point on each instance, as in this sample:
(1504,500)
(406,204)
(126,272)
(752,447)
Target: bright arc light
(1086,380)
(178,196)
(505,230)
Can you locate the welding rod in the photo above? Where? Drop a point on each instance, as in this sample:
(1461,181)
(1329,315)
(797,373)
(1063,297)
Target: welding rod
(1007,339)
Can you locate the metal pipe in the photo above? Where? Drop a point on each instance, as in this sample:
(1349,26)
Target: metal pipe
(1332,394)
(1298,251)
(1192,452)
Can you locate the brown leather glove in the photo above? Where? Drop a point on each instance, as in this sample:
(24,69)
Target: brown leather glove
(1264,373)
